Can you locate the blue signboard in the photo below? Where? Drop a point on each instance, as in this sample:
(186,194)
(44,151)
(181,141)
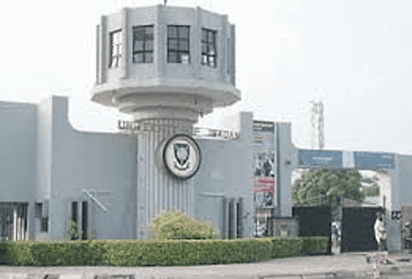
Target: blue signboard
(374,160)
(320,158)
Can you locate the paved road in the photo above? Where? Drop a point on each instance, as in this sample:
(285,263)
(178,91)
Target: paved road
(347,265)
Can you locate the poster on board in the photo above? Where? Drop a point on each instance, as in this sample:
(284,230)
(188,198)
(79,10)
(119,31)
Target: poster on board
(264,179)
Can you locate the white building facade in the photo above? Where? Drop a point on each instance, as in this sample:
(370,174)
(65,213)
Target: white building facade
(166,66)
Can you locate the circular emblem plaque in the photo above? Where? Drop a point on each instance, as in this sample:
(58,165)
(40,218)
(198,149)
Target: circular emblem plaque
(181,156)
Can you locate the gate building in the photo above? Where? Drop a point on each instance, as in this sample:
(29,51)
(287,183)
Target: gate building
(166,67)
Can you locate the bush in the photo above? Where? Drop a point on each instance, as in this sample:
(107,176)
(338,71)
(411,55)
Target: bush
(19,252)
(185,252)
(174,225)
(314,245)
(286,246)
(73,229)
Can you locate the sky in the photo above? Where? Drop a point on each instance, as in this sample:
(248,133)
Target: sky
(354,55)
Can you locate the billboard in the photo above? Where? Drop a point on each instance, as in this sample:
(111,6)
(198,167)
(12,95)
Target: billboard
(374,160)
(320,158)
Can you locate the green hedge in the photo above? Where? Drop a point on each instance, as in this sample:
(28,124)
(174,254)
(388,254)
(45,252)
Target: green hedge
(314,245)
(185,252)
(157,253)
(286,246)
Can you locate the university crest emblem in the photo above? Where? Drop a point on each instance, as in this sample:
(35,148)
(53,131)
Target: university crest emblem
(181,156)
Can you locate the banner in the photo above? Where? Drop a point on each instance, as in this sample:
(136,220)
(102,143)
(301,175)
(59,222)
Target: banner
(264,181)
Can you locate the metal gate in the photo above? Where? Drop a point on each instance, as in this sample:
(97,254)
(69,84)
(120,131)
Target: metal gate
(314,221)
(13,221)
(357,229)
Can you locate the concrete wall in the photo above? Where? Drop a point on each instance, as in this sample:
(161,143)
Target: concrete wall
(226,173)
(93,161)
(17,152)
(288,161)
(18,164)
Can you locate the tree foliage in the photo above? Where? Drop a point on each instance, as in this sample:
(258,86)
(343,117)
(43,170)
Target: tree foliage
(322,186)
(372,191)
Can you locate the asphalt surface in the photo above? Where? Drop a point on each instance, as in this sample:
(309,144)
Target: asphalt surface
(346,265)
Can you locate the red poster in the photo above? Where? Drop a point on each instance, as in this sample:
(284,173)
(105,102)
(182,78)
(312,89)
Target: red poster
(264,184)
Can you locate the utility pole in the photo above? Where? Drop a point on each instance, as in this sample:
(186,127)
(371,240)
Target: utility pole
(317,120)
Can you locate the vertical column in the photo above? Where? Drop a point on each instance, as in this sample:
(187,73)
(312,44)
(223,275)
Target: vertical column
(14,224)
(103,49)
(125,43)
(98,51)
(93,220)
(160,43)
(224,217)
(18,228)
(232,54)
(234,217)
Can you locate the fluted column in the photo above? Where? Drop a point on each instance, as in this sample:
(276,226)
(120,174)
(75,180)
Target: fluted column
(157,190)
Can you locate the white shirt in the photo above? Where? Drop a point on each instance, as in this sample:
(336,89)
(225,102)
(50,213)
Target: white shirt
(380,231)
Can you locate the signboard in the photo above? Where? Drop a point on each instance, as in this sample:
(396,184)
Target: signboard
(320,158)
(263,126)
(374,160)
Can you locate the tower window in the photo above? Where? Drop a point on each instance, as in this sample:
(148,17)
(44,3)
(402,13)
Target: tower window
(209,47)
(115,48)
(178,44)
(143,44)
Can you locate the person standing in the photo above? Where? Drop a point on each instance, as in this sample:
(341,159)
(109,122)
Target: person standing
(380,233)
(406,234)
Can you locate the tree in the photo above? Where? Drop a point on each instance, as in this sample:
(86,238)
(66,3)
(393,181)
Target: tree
(318,187)
(323,186)
(372,188)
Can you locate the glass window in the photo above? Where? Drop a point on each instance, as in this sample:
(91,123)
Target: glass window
(143,44)
(172,32)
(115,48)
(172,57)
(209,48)
(178,47)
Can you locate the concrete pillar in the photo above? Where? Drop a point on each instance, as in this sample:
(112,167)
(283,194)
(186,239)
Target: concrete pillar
(157,190)
(234,210)
(125,43)
(14,224)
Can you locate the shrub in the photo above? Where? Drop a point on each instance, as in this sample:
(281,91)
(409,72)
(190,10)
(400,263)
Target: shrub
(73,229)
(286,246)
(174,225)
(314,245)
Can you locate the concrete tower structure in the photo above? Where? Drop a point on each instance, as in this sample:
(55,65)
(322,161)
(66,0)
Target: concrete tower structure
(166,66)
